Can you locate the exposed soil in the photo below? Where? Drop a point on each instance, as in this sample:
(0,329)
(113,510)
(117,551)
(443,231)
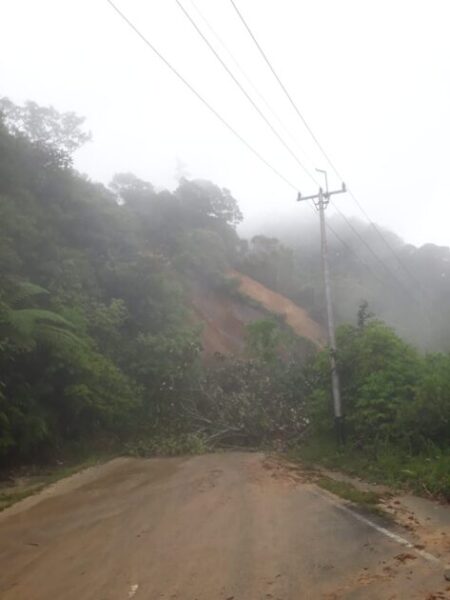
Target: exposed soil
(296,317)
(230,526)
(427,521)
(224,318)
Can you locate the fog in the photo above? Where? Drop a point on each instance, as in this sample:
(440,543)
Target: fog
(164,294)
(371,78)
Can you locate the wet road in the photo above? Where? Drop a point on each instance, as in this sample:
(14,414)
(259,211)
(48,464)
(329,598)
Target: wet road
(231,526)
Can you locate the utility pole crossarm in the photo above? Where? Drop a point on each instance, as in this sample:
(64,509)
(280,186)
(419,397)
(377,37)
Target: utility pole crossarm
(313,197)
(341,191)
(325,194)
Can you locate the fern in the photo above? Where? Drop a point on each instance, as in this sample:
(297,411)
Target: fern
(27,327)
(26,321)
(62,339)
(24,290)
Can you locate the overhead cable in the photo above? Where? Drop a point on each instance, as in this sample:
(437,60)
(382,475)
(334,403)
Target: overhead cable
(244,91)
(217,114)
(319,145)
(249,81)
(199,96)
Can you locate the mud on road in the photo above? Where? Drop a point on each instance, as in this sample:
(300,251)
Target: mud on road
(231,526)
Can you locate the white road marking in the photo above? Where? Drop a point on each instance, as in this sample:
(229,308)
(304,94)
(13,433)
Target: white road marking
(386,532)
(133,590)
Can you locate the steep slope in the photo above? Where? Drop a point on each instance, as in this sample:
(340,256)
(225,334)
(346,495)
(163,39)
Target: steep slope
(296,317)
(224,317)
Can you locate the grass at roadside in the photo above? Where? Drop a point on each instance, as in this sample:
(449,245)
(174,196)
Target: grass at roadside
(427,474)
(349,492)
(31,480)
(37,479)
(27,481)
(370,501)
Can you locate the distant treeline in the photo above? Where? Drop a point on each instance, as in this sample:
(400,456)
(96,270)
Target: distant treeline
(411,291)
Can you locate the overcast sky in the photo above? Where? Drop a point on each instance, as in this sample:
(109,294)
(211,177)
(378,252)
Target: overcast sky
(371,77)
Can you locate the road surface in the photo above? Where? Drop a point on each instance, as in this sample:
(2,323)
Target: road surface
(231,526)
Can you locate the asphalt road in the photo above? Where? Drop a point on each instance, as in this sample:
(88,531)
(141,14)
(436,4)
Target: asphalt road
(231,526)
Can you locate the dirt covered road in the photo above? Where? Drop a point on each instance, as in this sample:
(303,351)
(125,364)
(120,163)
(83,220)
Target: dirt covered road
(231,526)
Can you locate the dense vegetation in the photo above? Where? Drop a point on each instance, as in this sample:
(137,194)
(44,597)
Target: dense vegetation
(95,335)
(98,344)
(397,405)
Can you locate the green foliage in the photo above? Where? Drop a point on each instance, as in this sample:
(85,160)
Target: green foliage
(55,385)
(428,415)
(94,333)
(268,261)
(397,406)
(204,253)
(98,328)
(96,339)
(198,212)
(264,338)
(379,374)
(59,134)
(27,326)
(167,444)
(350,492)
(426,472)
(165,367)
(252,401)
(208,202)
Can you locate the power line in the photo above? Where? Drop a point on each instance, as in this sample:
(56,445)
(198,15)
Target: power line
(198,95)
(319,145)
(380,234)
(236,81)
(220,40)
(244,91)
(206,103)
(352,251)
(281,84)
(211,109)
(382,263)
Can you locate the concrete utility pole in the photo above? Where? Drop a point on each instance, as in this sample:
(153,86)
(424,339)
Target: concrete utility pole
(321,201)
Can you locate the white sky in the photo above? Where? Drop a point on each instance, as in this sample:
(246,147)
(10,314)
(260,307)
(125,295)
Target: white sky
(372,78)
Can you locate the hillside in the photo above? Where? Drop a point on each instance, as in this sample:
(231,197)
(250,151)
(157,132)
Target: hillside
(97,289)
(224,316)
(112,297)
(295,316)
(223,319)
(406,286)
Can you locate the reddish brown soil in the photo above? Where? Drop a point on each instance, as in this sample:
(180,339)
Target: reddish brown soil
(296,317)
(224,318)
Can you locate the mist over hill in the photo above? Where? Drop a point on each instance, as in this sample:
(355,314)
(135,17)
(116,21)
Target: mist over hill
(405,285)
